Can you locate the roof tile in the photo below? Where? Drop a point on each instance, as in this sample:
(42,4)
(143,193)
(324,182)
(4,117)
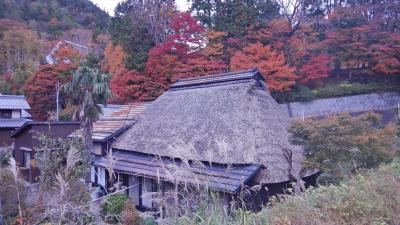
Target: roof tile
(13,102)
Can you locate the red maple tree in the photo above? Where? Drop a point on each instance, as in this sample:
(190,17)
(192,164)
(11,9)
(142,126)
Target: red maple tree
(131,86)
(279,76)
(114,58)
(40,88)
(315,69)
(180,55)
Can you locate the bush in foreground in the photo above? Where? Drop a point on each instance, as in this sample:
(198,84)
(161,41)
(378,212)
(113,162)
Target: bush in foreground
(371,198)
(130,216)
(112,208)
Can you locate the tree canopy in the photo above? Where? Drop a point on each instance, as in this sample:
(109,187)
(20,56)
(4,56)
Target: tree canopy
(298,46)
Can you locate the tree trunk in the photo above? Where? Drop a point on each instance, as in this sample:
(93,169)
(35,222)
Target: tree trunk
(87,136)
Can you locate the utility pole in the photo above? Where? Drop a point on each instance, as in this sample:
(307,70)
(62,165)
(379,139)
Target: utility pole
(1,214)
(57,99)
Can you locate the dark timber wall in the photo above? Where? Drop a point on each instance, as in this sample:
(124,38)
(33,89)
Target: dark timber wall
(27,137)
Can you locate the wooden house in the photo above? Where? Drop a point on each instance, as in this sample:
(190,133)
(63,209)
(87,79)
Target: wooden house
(13,114)
(26,141)
(114,120)
(222,133)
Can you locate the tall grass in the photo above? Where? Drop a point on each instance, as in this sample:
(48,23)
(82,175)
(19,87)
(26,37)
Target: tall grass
(369,198)
(13,168)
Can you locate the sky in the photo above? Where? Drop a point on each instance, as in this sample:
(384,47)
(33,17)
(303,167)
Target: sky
(109,5)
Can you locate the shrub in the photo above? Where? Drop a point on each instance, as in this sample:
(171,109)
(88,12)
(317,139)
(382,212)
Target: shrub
(130,216)
(112,208)
(304,93)
(370,198)
(50,162)
(8,194)
(300,93)
(338,145)
(5,156)
(67,113)
(347,88)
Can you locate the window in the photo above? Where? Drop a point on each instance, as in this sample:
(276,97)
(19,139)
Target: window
(5,114)
(148,186)
(93,174)
(102,177)
(27,159)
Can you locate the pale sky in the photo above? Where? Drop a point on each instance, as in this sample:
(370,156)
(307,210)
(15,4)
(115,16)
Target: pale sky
(109,5)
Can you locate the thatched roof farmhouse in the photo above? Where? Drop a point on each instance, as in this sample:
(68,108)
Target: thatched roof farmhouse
(229,122)
(228,118)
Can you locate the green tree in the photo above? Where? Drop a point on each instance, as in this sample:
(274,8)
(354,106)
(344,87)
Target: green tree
(51,162)
(339,145)
(87,89)
(134,36)
(138,26)
(233,16)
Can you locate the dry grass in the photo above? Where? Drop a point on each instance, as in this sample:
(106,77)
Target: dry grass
(13,168)
(370,198)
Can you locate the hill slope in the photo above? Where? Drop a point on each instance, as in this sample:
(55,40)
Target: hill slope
(55,16)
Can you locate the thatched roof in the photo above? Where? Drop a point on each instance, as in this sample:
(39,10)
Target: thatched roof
(228,118)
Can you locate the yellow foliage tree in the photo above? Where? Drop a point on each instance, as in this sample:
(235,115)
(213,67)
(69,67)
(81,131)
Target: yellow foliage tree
(114,58)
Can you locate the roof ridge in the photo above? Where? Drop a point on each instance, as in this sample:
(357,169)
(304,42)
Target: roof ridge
(13,96)
(216,75)
(230,77)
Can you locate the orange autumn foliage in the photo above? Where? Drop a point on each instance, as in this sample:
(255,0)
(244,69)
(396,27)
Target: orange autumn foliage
(199,66)
(67,54)
(215,44)
(40,88)
(315,69)
(278,75)
(132,86)
(114,58)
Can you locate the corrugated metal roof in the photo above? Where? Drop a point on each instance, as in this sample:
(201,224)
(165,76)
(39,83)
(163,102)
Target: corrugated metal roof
(348,104)
(110,108)
(216,176)
(116,119)
(13,102)
(127,112)
(230,77)
(12,123)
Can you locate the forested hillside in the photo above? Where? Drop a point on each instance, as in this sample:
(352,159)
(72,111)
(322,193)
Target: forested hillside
(29,30)
(304,49)
(55,16)
(327,46)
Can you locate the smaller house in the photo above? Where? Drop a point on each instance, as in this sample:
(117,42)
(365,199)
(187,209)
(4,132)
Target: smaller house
(26,141)
(13,114)
(115,120)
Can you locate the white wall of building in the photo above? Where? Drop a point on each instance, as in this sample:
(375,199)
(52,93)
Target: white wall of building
(134,189)
(102,176)
(15,114)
